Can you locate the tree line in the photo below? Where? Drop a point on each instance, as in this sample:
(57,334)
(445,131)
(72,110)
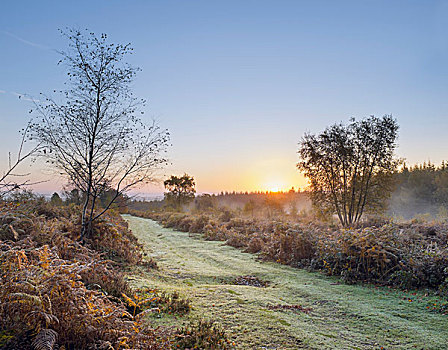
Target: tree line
(420,189)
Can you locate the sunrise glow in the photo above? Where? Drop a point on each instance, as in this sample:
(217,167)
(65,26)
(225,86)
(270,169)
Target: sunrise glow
(277,183)
(216,161)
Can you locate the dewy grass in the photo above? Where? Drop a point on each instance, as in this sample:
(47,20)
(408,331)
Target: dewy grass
(342,316)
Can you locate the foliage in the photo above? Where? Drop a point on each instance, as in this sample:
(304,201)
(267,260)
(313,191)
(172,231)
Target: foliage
(205,202)
(40,291)
(249,207)
(421,189)
(56,199)
(56,292)
(72,197)
(408,255)
(180,190)
(111,236)
(93,135)
(350,166)
(158,301)
(202,335)
(274,206)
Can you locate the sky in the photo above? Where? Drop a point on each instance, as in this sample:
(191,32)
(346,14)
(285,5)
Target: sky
(238,83)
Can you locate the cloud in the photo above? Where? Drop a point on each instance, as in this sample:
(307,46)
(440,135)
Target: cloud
(2,92)
(27,42)
(25,97)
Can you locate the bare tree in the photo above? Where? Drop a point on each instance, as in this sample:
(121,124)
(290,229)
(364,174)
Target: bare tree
(94,136)
(11,179)
(350,166)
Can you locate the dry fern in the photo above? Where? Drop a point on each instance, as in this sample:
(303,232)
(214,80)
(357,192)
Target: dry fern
(45,339)
(44,282)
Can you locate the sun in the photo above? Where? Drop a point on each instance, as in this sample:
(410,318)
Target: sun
(274,186)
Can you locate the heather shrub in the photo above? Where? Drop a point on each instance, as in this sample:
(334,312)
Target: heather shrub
(226,215)
(212,233)
(289,245)
(403,279)
(202,334)
(235,238)
(112,237)
(174,220)
(369,252)
(255,244)
(198,224)
(410,255)
(154,300)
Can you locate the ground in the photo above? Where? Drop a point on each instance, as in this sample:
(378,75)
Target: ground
(341,317)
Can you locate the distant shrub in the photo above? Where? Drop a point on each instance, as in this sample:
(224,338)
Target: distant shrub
(235,239)
(156,301)
(403,279)
(202,334)
(226,215)
(198,224)
(255,245)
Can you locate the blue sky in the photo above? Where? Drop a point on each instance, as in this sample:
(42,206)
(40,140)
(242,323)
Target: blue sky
(238,82)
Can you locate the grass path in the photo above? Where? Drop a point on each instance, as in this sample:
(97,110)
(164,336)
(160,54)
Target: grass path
(342,316)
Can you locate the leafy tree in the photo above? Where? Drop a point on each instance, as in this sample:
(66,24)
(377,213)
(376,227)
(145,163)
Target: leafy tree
(119,203)
(93,135)
(441,182)
(350,166)
(273,206)
(180,190)
(73,197)
(292,208)
(249,207)
(205,202)
(421,189)
(56,199)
